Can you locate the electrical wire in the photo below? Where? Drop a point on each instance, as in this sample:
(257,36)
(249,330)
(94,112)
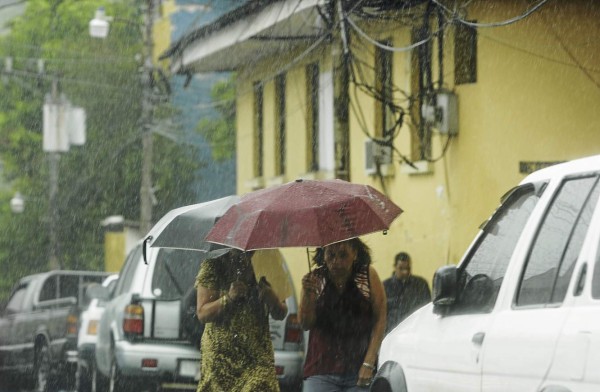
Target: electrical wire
(537,55)
(572,56)
(34,75)
(492,24)
(386,47)
(81,60)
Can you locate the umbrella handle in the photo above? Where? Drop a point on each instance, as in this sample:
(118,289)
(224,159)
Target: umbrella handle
(308,259)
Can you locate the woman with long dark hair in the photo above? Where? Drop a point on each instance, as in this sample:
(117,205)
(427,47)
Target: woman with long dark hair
(343,305)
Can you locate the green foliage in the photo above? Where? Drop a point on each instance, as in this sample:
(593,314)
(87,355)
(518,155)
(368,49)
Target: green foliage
(220,131)
(100,178)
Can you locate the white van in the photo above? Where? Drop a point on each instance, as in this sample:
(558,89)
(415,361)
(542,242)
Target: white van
(149,337)
(521,312)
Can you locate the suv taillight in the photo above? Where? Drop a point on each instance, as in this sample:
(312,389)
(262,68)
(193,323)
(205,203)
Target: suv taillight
(293,329)
(133,320)
(72,324)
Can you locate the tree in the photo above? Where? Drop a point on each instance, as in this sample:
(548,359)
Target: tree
(102,177)
(220,131)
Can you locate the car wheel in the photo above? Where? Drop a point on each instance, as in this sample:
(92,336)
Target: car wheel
(98,381)
(83,378)
(41,371)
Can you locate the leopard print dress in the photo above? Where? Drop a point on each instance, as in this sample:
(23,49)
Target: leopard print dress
(237,353)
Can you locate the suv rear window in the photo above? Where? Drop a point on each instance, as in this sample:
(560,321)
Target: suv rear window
(175,272)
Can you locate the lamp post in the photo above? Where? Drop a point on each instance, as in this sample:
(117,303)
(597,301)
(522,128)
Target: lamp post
(99,27)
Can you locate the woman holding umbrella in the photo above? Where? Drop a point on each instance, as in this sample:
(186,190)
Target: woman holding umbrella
(237,354)
(343,305)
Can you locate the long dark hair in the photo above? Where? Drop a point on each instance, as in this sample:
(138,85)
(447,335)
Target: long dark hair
(363,253)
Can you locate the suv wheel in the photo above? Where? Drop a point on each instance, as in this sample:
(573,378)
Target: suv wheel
(41,371)
(115,381)
(94,379)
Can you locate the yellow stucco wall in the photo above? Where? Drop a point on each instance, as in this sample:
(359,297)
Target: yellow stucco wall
(161,30)
(535,99)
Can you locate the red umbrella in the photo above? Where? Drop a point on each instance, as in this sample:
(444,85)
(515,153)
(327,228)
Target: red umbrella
(306,213)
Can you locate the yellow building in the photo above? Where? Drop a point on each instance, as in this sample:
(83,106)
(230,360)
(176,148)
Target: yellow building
(463,99)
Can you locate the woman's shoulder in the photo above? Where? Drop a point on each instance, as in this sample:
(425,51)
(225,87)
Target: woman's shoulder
(209,265)
(211,271)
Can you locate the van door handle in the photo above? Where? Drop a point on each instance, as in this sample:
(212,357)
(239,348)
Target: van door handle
(478,338)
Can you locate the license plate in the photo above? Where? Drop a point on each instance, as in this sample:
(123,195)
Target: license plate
(189,368)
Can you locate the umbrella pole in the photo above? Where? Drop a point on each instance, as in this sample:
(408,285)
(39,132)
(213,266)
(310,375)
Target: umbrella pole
(308,259)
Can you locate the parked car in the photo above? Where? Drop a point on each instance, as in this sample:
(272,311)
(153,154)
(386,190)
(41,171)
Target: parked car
(149,335)
(521,312)
(87,376)
(38,329)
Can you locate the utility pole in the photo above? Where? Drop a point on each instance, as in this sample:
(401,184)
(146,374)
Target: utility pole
(53,158)
(64,125)
(99,27)
(146,117)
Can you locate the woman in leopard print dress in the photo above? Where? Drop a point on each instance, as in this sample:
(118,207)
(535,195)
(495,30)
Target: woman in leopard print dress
(237,354)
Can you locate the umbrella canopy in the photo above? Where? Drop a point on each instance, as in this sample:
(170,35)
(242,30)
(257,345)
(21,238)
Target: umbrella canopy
(186,227)
(307,213)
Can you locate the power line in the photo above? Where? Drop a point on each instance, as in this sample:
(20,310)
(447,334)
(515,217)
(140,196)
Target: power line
(538,55)
(387,47)
(492,24)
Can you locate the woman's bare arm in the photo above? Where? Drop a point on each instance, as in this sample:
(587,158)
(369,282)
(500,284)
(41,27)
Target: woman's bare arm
(208,304)
(379,303)
(308,302)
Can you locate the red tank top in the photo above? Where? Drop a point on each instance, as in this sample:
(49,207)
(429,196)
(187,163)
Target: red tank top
(339,340)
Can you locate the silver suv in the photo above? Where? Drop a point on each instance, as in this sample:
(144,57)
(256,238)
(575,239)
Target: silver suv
(148,335)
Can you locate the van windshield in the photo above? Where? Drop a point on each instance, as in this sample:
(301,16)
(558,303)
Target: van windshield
(483,271)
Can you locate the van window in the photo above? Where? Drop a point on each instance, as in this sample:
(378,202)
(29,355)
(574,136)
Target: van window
(482,272)
(48,291)
(558,242)
(128,271)
(68,286)
(15,303)
(174,272)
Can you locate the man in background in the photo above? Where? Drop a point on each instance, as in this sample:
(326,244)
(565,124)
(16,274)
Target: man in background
(405,292)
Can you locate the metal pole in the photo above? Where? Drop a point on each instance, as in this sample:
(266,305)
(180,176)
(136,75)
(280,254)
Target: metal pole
(146,121)
(53,158)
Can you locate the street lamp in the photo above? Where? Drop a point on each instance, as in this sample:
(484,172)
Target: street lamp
(100,24)
(17,203)
(99,27)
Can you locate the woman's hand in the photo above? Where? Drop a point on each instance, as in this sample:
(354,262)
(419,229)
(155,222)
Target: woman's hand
(310,285)
(237,290)
(365,375)
(267,295)
(308,301)
(265,292)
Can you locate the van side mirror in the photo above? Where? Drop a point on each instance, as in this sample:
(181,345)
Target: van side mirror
(97,291)
(445,283)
